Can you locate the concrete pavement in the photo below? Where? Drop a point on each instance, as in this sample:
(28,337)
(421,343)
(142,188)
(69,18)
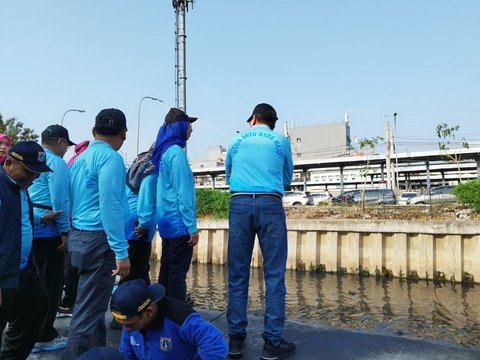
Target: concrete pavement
(316,341)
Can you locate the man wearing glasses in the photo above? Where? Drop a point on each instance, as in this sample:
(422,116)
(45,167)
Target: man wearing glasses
(51,191)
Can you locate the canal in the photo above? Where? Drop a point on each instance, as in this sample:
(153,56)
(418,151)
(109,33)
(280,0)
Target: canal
(442,312)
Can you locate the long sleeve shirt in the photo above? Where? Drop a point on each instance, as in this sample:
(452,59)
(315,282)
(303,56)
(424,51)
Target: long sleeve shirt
(52,189)
(98,194)
(142,208)
(259,160)
(176,211)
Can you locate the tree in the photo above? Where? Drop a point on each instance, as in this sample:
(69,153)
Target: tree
(16,130)
(446,134)
(368,143)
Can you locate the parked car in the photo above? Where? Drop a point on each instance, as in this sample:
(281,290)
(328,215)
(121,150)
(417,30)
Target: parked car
(371,196)
(437,195)
(404,197)
(323,197)
(297,198)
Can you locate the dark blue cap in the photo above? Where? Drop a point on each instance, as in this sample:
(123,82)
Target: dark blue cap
(175,115)
(31,155)
(101,353)
(57,131)
(111,118)
(265,109)
(133,296)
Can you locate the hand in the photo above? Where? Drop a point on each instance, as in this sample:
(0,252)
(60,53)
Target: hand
(139,232)
(123,268)
(193,239)
(49,217)
(63,246)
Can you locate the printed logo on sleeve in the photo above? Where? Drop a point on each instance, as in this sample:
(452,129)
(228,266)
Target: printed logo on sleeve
(166,344)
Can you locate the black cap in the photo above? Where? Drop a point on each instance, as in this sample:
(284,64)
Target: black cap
(57,131)
(267,110)
(133,296)
(175,115)
(101,353)
(31,155)
(111,118)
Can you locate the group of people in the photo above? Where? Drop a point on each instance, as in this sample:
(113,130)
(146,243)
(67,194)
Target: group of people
(92,220)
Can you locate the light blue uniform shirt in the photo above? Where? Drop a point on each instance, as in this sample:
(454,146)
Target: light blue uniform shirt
(26,230)
(98,194)
(176,211)
(52,189)
(142,208)
(259,160)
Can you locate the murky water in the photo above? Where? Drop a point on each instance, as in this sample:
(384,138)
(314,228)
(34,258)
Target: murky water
(416,310)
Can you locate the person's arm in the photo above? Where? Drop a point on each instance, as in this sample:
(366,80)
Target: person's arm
(182,184)
(59,188)
(228,165)
(288,164)
(205,337)
(146,206)
(125,347)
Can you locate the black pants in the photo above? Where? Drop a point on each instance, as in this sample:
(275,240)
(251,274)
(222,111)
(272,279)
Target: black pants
(139,255)
(24,309)
(71,284)
(50,265)
(174,265)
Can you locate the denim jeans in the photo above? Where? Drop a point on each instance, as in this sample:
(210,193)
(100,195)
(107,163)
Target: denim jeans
(263,216)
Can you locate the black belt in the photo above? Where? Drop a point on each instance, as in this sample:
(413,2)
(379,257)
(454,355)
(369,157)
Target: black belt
(40,206)
(253,195)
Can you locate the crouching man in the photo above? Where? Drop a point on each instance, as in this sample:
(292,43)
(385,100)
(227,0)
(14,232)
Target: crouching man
(156,326)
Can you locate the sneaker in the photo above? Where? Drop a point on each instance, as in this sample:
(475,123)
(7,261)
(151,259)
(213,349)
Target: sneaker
(235,345)
(64,311)
(275,352)
(55,344)
(115,325)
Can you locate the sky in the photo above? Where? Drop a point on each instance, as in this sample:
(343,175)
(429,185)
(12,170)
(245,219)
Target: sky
(314,61)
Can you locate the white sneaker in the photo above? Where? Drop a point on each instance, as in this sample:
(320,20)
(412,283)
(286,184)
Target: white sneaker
(55,344)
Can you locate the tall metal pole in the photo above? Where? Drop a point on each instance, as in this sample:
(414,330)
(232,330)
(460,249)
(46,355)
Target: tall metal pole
(65,113)
(396,151)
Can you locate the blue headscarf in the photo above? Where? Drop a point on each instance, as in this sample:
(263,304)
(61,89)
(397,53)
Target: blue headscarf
(169,135)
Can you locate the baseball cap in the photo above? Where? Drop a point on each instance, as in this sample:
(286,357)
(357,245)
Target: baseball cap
(111,118)
(133,296)
(175,114)
(31,155)
(100,353)
(57,131)
(266,110)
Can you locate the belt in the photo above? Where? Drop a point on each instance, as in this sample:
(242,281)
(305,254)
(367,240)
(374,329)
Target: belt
(92,231)
(40,206)
(254,195)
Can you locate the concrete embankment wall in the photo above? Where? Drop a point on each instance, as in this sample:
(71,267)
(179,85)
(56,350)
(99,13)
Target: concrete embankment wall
(427,248)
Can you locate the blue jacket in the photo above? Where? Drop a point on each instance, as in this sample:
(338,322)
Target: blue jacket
(142,208)
(52,189)
(178,333)
(176,212)
(10,230)
(98,194)
(259,160)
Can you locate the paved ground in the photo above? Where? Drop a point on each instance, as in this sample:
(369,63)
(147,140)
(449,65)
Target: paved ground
(317,342)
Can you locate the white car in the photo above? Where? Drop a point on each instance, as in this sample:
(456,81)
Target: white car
(324,197)
(403,198)
(296,198)
(437,195)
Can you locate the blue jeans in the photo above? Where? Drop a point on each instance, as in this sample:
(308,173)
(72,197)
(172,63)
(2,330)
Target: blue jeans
(263,216)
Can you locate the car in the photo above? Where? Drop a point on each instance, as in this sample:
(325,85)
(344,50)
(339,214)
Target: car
(324,197)
(370,196)
(404,197)
(345,198)
(296,198)
(437,195)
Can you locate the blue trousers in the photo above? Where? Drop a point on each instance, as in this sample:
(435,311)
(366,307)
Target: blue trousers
(92,257)
(263,216)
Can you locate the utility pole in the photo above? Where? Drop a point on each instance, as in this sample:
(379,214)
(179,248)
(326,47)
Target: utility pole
(387,152)
(181,6)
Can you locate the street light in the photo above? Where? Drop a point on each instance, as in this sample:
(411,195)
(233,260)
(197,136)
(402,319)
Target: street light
(138,119)
(397,180)
(63,117)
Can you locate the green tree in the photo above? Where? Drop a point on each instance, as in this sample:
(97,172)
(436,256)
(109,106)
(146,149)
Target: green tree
(16,130)
(446,134)
(368,144)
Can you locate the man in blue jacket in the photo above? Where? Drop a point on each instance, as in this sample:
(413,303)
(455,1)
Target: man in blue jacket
(51,191)
(97,245)
(23,299)
(176,212)
(160,327)
(258,167)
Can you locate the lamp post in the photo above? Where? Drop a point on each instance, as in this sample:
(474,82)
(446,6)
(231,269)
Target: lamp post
(65,113)
(397,180)
(138,119)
